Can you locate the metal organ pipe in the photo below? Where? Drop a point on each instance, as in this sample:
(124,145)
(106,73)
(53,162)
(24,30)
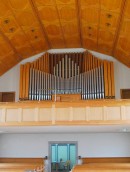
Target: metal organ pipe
(67,78)
(102,78)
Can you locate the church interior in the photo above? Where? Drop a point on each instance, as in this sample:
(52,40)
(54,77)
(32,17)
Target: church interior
(64,85)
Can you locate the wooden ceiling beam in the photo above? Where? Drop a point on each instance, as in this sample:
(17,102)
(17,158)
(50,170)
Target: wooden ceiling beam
(35,10)
(11,45)
(79,21)
(60,23)
(98,28)
(123,6)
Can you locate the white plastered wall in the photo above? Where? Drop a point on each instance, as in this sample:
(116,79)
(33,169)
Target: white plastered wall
(89,144)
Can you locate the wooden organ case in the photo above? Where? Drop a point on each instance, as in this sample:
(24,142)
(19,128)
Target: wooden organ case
(66,74)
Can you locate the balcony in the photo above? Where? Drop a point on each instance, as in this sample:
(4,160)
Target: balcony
(48,113)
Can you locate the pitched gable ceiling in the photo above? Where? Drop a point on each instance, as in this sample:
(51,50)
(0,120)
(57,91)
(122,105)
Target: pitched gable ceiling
(28,27)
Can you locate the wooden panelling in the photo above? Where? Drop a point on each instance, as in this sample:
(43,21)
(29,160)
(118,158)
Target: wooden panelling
(21,160)
(45,114)
(79,114)
(28,114)
(125,93)
(104,167)
(127,112)
(65,113)
(12,115)
(29,27)
(60,116)
(106,160)
(66,97)
(7,96)
(122,50)
(20,164)
(113,6)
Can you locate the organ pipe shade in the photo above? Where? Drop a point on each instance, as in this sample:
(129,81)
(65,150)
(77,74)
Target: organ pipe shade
(69,73)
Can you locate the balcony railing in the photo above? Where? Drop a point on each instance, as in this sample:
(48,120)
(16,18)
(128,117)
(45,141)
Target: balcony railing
(43,113)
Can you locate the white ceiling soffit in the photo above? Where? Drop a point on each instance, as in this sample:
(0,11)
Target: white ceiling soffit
(66,129)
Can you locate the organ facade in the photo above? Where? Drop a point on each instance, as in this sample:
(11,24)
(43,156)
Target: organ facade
(66,74)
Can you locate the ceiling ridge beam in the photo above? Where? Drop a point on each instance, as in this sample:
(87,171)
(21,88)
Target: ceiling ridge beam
(79,21)
(60,24)
(98,26)
(13,48)
(35,10)
(121,17)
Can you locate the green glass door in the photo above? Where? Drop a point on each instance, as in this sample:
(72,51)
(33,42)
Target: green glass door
(63,156)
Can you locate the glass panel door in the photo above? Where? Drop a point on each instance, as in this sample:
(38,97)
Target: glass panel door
(63,156)
(72,155)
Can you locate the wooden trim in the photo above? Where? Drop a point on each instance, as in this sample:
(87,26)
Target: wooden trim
(111,167)
(120,23)
(106,160)
(21,160)
(81,103)
(65,123)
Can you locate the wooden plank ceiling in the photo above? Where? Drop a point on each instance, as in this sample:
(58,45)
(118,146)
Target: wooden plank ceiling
(28,27)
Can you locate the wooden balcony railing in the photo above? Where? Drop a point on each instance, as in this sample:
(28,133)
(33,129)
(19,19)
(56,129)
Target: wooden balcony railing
(92,112)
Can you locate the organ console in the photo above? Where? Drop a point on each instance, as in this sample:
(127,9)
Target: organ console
(67,73)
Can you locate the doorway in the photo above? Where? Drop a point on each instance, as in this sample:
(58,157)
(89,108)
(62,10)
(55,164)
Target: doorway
(63,156)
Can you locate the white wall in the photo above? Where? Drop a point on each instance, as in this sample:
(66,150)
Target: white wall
(89,144)
(122,77)
(10,80)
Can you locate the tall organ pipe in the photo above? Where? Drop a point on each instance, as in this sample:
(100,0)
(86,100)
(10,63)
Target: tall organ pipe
(66,78)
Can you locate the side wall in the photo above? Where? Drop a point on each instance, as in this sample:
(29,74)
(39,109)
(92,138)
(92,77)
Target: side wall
(89,144)
(10,80)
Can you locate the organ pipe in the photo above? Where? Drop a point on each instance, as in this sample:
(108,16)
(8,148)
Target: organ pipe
(70,73)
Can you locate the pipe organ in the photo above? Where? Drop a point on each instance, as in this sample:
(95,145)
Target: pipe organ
(68,73)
